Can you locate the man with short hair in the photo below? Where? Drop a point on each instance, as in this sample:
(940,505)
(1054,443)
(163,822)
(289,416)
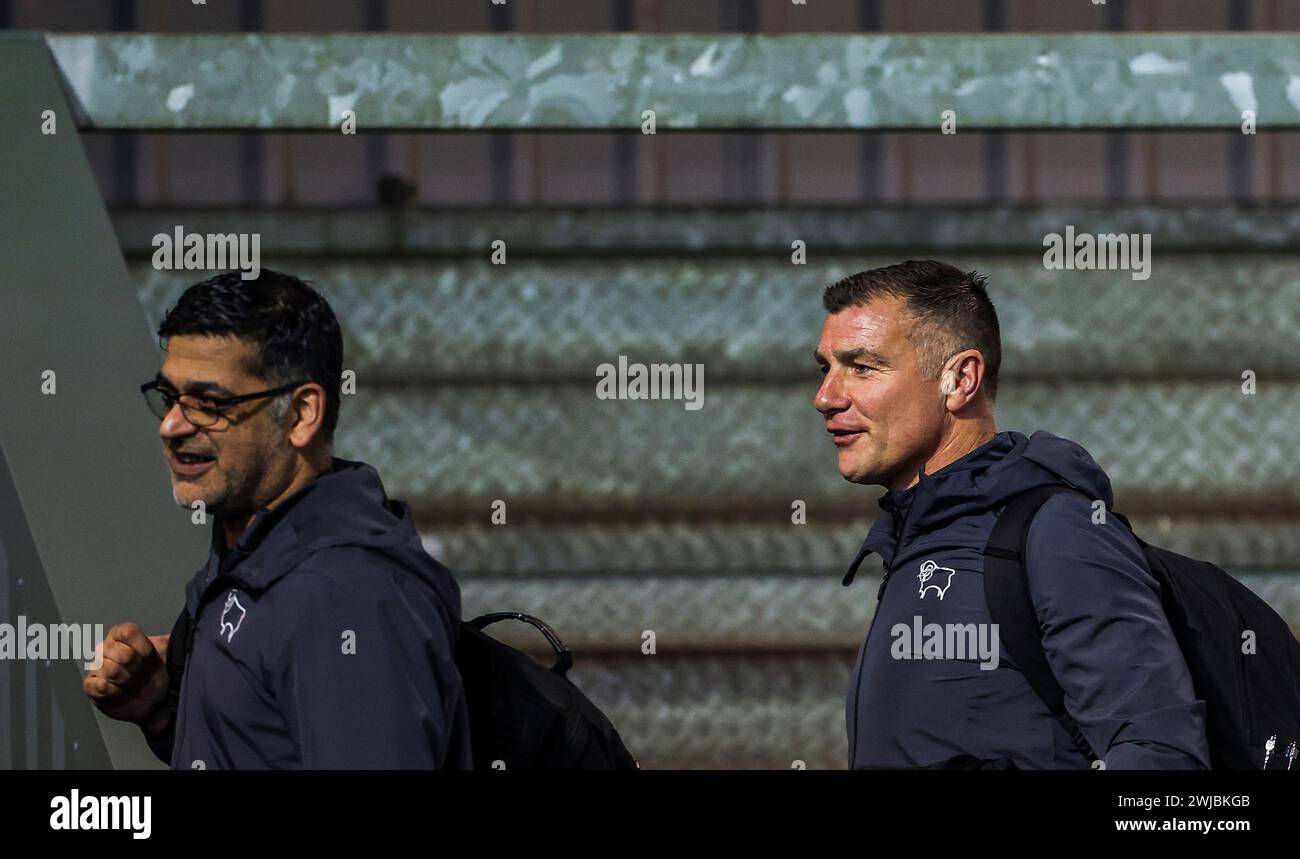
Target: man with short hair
(319,634)
(910,356)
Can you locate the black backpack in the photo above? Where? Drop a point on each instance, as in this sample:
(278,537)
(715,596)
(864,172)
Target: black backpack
(1252,701)
(520,713)
(523,716)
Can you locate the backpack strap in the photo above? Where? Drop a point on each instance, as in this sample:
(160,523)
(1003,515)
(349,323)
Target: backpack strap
(563,656)
(178,653)
(1006,590)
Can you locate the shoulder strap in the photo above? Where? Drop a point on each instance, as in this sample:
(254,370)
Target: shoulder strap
(1006,590)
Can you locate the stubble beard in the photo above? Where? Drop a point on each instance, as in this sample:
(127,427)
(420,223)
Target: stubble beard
(238,494)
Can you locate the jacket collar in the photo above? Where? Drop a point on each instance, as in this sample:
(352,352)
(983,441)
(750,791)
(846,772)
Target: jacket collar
(270,534)
(984,479)
(884,535)
(895,523)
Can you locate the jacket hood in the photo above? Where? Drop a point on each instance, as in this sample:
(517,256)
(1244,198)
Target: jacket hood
(346,506)
(984,479)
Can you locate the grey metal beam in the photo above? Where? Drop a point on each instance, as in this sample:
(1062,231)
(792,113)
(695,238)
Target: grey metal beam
(686,614)
(691,81)
(560,231)
(557,452)
(727,613)
(1198,317)
(773,546)
(724,712)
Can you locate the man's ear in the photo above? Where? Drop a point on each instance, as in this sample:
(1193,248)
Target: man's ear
(306,415)
(950,381)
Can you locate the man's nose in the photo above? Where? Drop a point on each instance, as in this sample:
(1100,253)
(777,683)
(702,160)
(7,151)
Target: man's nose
(830,396)
(174,424)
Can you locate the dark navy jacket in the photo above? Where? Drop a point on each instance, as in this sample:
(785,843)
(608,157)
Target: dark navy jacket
(324,639)
(1105,634)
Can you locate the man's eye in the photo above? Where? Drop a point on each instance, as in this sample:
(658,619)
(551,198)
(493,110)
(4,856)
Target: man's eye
(862,368)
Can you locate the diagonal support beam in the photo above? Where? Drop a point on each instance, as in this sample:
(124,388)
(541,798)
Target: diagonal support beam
(88,530)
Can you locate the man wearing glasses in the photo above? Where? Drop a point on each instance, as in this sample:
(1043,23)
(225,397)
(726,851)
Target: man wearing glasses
(319,634)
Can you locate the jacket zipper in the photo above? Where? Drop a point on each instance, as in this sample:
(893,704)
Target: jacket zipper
(880,593)
(898,547)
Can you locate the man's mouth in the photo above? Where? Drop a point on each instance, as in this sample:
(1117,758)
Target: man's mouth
(191,464)
(845,437)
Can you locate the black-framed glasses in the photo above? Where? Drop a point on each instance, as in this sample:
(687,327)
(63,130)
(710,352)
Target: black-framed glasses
(200,411)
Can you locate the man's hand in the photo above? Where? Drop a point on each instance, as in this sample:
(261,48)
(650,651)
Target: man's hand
(131,683)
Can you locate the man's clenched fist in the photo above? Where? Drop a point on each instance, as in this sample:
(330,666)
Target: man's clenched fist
(131,683)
